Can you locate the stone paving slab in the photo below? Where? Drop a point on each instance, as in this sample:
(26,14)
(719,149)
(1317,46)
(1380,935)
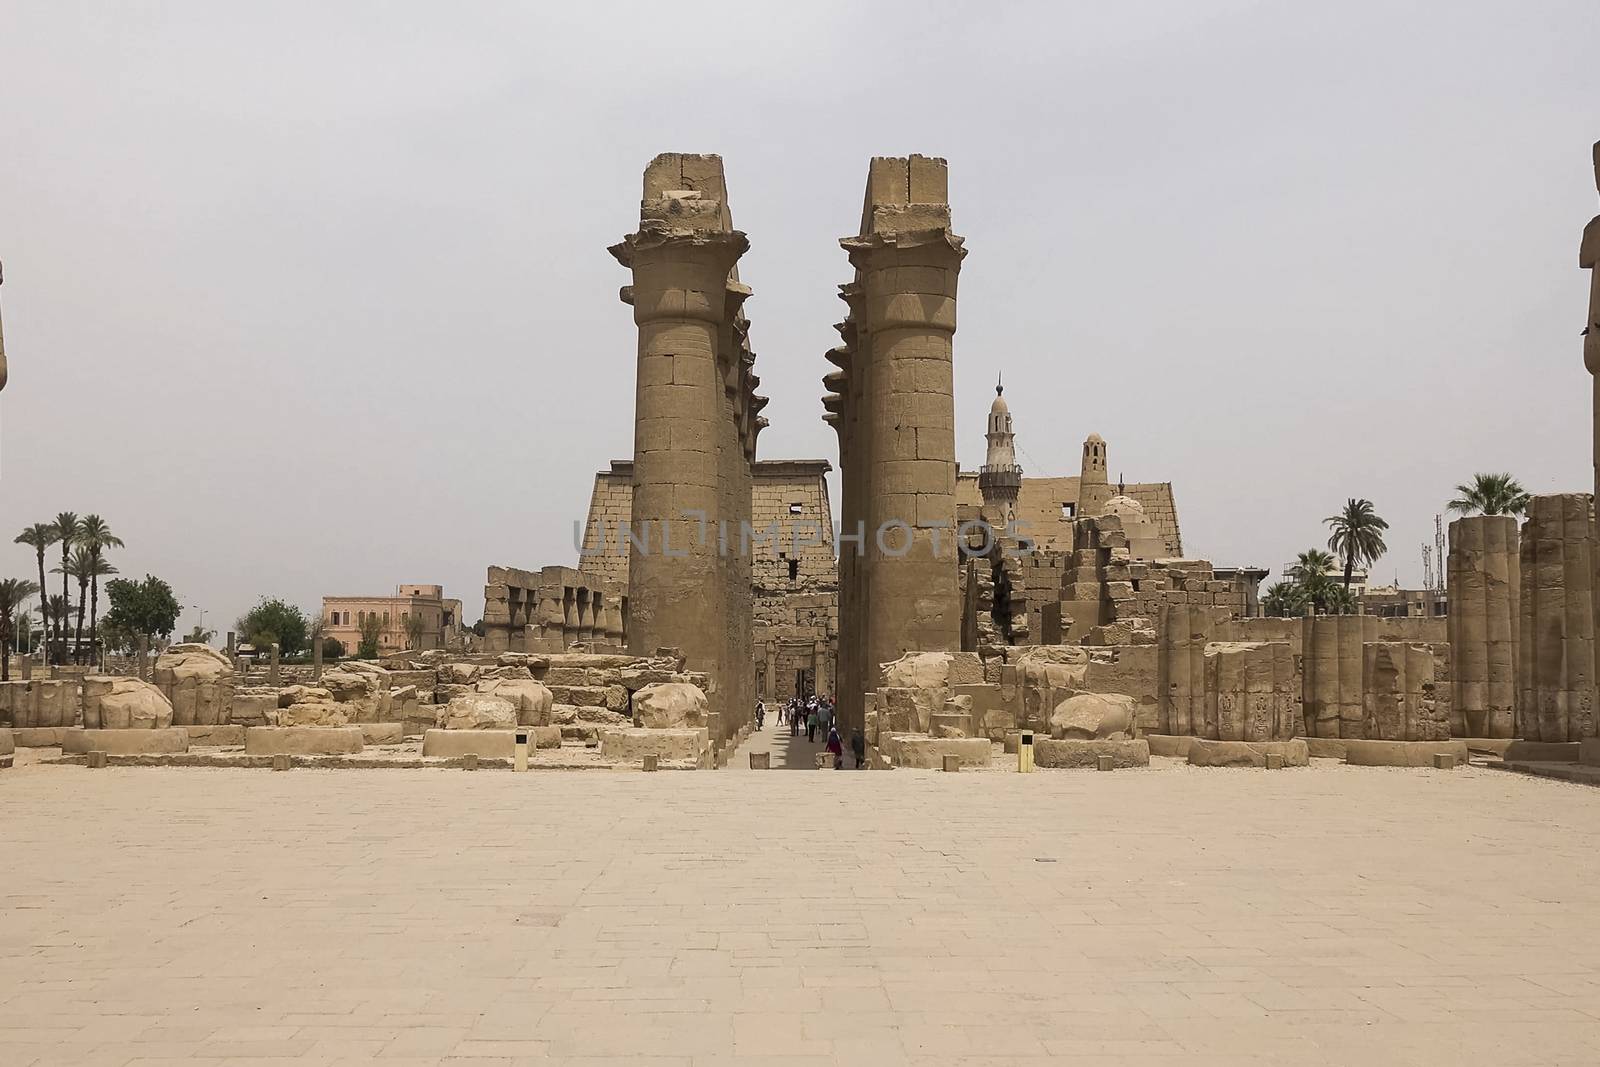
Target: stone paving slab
(1162,915)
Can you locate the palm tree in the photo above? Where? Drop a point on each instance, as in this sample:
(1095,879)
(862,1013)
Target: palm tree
(13,591)
(66,526)
(96,536)
(60,608)
(1357,535)
(1284,599)
(81,565)
(1490,494)
(40,536)
(1312,572)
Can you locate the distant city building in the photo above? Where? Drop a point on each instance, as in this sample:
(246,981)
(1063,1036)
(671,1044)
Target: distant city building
(343,616)
(1390,601)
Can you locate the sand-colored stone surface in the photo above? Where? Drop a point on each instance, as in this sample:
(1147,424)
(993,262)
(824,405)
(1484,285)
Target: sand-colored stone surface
(693,919)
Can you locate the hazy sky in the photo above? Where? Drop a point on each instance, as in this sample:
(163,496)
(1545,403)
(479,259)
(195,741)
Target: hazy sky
(313,298)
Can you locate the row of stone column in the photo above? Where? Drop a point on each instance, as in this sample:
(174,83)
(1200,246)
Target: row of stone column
(1556,694)
(891,401)
(696,420)
(1232,691)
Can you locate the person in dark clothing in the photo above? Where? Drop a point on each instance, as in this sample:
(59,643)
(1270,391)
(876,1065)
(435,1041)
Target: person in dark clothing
(858,748)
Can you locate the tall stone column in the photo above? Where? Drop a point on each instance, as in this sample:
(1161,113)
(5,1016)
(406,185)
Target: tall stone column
(681,258)
(1483,574)
(843,405)
(1557,680)
(1589,259)
(908,261)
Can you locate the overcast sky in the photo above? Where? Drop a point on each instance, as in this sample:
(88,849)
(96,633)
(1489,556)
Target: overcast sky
(313,298)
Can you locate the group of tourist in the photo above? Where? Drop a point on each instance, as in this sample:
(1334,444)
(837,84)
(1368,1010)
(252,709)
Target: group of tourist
(816,715)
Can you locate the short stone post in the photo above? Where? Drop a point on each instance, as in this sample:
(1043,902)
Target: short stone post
(952,762)
(96,761)
(272,665)
(232,646)
(316,657)
(1101,763)
(1444,761)
(760,761)
(141,662)
(652,762)
(469,762)
(1274,761)
(280,761)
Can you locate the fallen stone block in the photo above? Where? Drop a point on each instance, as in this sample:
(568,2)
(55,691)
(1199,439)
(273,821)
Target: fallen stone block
(626,744)
(303,740)
(451,744)
(382,733)
(215,735)
(1207,753)
(1169,744)
(1531,751)
(7,744)
(130,742)
(1325,747)
(760,761)
(927,753)
(96,760)
(39,736)
(1401,753)
(1084,754)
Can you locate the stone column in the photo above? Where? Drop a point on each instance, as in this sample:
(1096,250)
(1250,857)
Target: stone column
(1483,581)
(908,261)
(232,646)
(1172,672)
(272,665)
(772,671)
(681,258)
(1589,259)
(1557,656)
(316,655)
(142,658)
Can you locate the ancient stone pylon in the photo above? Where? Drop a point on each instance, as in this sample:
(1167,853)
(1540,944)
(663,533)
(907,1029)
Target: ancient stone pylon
(1484,586)
(696,419)
(892,402)
(1556,698)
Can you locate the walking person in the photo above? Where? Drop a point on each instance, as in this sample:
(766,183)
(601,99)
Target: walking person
(811,725)
(794,720)
(837,748)
(858,747)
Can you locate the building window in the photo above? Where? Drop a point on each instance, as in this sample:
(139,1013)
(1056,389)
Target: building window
(1068,509)
(796,509)
(794,570)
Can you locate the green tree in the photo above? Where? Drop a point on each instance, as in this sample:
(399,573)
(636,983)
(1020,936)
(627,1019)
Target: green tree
(95,534)
(13,592)
(1312,571)
(370,627)
(332,648)
(39,537)
(198,636)
(1490,494)
(146,606)
(67,525)
(1285,599)
(1357,535)
(274,620)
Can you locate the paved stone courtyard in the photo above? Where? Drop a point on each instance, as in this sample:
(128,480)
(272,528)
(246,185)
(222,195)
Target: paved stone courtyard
(1171,915)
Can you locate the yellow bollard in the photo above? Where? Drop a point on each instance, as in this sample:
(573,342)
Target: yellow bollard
(1025,752)
(519,759)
